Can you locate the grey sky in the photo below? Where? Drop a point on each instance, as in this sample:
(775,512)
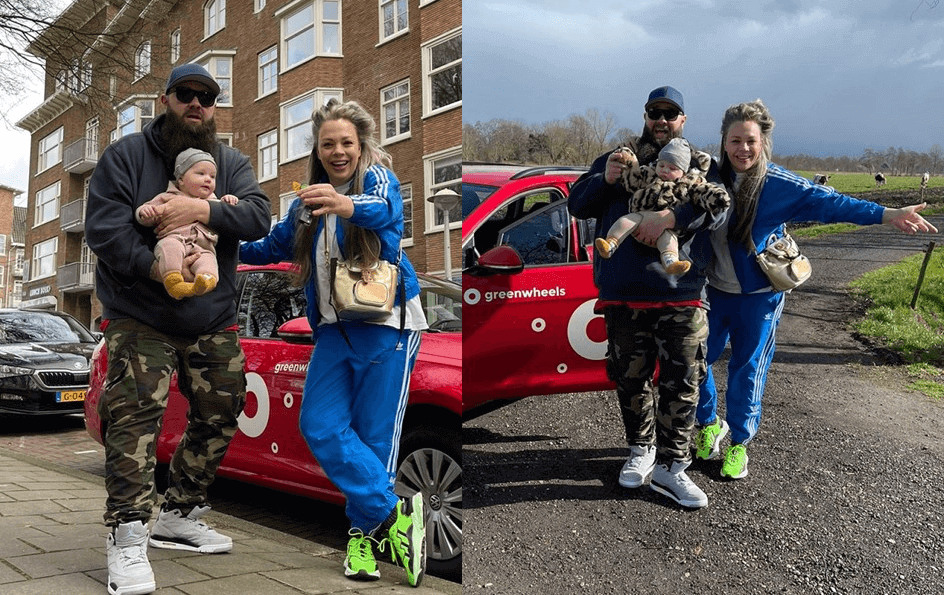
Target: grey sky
(838,76)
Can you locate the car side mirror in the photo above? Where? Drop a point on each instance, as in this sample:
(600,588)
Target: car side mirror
(500,260)
(297,330)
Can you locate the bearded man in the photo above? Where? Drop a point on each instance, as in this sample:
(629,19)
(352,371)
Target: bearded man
(652,325)
(149,335)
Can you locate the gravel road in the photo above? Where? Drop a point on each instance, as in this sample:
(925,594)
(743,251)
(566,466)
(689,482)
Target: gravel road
(845,493)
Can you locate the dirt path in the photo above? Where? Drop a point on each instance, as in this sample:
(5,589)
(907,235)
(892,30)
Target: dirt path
(845,493)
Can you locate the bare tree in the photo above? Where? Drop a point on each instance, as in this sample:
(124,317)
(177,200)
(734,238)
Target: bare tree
(55,36)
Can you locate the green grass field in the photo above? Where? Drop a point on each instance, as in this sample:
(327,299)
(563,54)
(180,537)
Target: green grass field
(861,182)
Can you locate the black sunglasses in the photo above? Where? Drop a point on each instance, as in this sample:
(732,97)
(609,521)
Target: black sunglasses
(656,113)
(186,95)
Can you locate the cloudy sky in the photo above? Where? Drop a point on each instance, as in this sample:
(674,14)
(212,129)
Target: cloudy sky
(839,76)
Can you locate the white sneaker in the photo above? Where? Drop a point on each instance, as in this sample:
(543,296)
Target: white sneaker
(129,571)
(674,483)
(173,531)
(638,466)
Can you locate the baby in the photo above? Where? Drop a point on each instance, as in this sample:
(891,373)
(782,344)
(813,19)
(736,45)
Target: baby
(664,186)
(195,177)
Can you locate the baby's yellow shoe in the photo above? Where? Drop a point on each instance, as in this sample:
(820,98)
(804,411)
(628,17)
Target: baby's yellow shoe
(176,286)
(204,283)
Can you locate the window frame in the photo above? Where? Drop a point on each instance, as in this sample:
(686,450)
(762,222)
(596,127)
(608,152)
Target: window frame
(38,259)
(263,68)
(384,38)
(142,60)
(139,120)
(214,15)
(317,98)
(49,155)
(41,204)
(433,219)
(406,193)
(317,25)
(395,102)
(175,45)
(263,150)
(212,61)
(429,72)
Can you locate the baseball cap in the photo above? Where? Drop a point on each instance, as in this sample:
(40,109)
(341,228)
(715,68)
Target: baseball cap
(667,94)
(187,159)
(195,73)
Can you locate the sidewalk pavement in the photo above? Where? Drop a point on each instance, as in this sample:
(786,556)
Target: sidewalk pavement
(52,541)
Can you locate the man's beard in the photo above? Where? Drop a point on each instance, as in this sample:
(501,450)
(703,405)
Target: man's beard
(649,146)
(178,135)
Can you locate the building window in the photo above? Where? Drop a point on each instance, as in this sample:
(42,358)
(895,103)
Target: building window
(82,75)
(18,261)
(47,205)
(299,28)
(330,27)
(214,16)
(17,292)
(50,151)
(91,138)
(395,107)
(225,138)
(394,18)
(268,154)
(296,122)
(258,5)
(133,117)
(175,46)
(44,259)
(268,71)
(442,73)
(443,170)
(61,78)
(221,69)
(406,193)
(3,244)
(142,60)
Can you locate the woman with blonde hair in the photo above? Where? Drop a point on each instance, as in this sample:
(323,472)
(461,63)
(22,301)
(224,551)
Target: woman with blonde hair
(745,309)
(358,380)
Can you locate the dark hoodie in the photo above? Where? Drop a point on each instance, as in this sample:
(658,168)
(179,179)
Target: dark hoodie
(633,273)
(130,172)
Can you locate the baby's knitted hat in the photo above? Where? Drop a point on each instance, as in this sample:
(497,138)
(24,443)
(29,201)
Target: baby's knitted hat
(678,152)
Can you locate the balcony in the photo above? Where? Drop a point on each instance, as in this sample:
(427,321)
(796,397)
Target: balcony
(72,216)
(80,156)
(76,277)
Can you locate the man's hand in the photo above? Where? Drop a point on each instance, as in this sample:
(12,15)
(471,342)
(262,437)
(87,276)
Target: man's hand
(652,225)
(616,163)
(182,211)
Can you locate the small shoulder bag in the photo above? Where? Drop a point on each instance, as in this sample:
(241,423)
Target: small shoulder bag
(783,264)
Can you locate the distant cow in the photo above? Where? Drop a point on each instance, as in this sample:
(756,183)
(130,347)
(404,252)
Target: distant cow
(924,179)
(879,179)
(821,179)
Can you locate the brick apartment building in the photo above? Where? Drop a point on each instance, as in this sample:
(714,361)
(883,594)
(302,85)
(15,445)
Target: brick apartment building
(12,232)
(276,62)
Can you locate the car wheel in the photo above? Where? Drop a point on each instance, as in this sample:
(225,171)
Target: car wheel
(430,463)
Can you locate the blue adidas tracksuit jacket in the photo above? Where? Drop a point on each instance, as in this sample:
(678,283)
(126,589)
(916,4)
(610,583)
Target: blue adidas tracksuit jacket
(355,392)
(744,309)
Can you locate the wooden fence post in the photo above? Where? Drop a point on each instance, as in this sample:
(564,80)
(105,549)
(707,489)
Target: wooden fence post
(924,267)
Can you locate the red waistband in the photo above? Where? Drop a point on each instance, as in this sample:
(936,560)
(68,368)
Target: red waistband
(601,304)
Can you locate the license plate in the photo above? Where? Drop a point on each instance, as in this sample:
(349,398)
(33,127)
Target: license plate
(70,396)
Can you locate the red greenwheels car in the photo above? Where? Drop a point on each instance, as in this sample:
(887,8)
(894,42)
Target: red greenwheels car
(268,448)
(527,287)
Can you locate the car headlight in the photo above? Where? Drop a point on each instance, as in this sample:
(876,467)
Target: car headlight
(9,371)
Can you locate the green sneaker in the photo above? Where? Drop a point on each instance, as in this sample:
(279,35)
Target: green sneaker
(735,462)
(359,564)
(708,441)
(407,538)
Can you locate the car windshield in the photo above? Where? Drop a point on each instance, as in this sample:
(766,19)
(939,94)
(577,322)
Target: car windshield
(40,327)
(473,195)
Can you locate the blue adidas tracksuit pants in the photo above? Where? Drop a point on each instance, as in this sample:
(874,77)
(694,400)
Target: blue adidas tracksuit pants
(352,413)
(749,322)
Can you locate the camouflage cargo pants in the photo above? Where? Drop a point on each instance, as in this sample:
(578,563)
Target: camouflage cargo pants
(674,338)
(140,363)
